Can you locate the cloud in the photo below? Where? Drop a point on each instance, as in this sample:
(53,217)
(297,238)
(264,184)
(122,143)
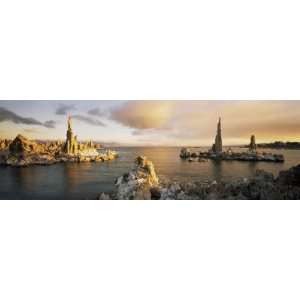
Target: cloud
(88,120)
(63,109)
(143,114)
(96,112)
(7,115)
(31,130)
(50,124)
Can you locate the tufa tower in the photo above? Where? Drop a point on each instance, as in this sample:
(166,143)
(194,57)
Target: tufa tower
(71,145)
(217,146)
(252,146)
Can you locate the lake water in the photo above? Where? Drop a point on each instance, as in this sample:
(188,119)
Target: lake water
(87,180)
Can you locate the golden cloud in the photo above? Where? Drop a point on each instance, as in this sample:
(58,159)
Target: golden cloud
(144,114)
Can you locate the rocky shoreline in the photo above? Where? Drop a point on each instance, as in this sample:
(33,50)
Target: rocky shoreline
(187,154)
(143,183)
(23,152)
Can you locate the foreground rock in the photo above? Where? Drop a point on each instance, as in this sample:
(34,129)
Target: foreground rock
(23,152)
(138,182)
(142,183)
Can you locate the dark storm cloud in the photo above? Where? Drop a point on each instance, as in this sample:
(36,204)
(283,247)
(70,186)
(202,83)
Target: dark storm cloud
(63,109)
(7,115)
(88,120)
(96,112)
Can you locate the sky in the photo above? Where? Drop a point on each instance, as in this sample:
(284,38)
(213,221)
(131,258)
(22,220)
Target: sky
(153,123)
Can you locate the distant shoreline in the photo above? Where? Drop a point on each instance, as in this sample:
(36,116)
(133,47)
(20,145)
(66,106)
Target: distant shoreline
(279,145)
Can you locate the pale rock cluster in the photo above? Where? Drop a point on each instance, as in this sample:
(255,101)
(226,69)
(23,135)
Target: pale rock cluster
(139,183)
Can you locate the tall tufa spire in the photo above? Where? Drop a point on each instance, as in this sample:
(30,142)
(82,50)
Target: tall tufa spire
(218,148)
(69,123)
(71,141)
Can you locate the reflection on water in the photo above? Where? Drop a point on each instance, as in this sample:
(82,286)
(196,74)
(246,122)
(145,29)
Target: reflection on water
(87,180)
(217,170)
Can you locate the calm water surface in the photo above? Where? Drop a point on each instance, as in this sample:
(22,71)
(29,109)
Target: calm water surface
(87,180)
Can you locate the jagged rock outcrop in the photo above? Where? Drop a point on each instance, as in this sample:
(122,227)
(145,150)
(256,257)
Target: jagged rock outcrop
(22,146)
(24,152)
(137,184)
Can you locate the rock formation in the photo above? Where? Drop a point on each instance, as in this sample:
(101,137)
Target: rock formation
(71,145)
(24,152)
(137,184)
(23,146)
(217,147)
(252,146)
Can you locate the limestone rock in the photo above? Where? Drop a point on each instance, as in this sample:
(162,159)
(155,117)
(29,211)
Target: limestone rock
(21,146)
(137,183)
